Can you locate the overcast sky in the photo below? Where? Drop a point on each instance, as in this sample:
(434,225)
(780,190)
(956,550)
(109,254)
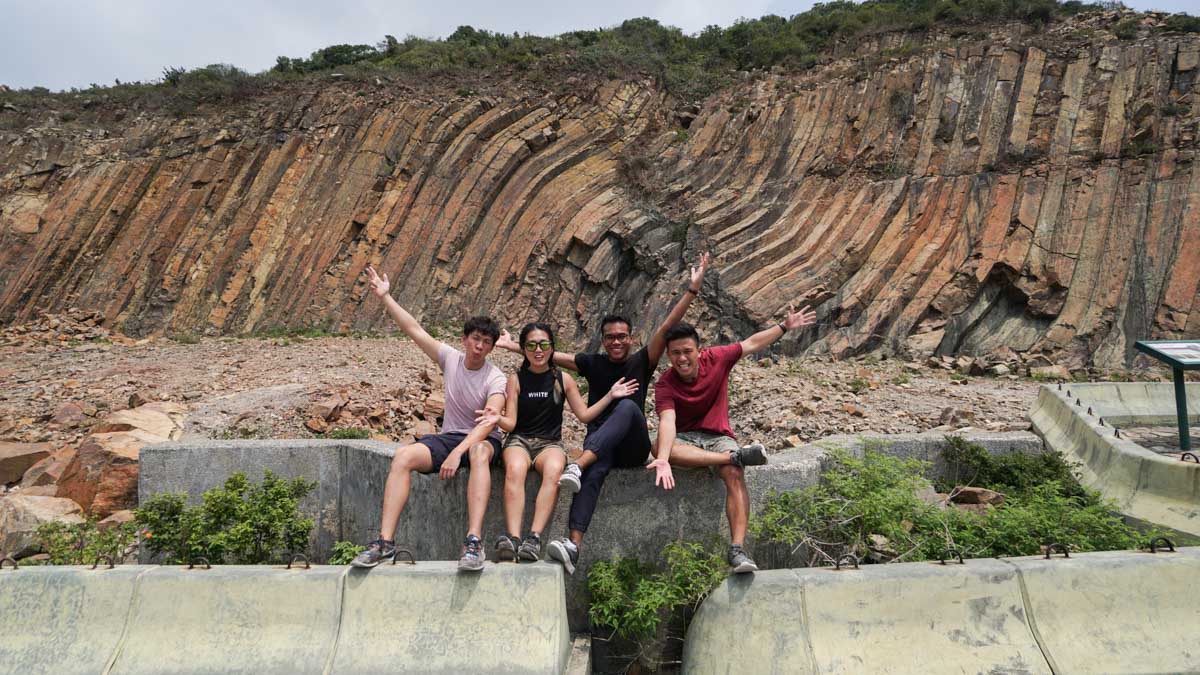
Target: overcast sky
(71,43)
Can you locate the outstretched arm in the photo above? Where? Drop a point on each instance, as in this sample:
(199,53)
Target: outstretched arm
(666,438)
(768,336)
(561,359)
(658,342)
(620,389)
(380,287)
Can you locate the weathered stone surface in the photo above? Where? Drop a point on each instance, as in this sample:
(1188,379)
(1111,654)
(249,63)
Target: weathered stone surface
(48,470)
(160,419)
(103,476)
(17,458)
(1032,194)
(21,515)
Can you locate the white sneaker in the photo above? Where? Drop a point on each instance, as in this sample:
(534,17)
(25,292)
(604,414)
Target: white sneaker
(571,478)
(564,551)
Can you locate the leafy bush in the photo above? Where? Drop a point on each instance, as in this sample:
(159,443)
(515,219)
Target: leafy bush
(633,598)
(878,495)
(343,552)
(85,543)
(237,523)
(353,433)
(1183,23)
(1013,474)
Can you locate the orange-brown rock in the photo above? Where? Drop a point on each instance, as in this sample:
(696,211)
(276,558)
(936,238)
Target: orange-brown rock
(48,470)
(1030,190)
(103,476)
(17,458)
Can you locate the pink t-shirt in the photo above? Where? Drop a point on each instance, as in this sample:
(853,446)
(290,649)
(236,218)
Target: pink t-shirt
(466,390)
(702,405)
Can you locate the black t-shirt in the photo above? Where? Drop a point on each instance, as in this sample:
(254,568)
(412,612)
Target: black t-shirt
(540,404)
(601,373)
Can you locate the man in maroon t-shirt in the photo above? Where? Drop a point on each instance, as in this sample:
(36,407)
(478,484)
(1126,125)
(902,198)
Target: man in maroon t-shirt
(692,401)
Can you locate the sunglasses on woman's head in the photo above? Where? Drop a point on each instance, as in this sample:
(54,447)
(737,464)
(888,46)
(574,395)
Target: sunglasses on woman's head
(544,345)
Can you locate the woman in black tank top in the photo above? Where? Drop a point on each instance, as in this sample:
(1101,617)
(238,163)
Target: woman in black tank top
(533,410)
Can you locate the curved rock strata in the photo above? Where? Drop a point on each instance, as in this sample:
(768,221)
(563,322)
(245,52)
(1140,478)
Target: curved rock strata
(1024,191)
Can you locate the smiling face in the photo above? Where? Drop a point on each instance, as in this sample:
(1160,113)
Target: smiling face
(684,354)
(477,345)
(538,349)
(616,340)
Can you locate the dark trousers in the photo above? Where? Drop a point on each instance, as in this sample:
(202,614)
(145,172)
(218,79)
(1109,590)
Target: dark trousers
(622,441)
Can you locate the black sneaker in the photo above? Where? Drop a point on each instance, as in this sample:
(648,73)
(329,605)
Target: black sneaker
(506,548)
(531,548)
(377,552)
(564,551)
(472,555)
(740,560)
(751,455)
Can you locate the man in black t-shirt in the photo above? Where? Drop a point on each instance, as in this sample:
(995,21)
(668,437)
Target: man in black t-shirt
(618,437)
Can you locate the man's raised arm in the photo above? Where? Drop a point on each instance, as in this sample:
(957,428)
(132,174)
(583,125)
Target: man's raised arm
(658,342)
(380,287)
(561,359)
(768,336)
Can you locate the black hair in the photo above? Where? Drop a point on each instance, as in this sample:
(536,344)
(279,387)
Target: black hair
(483,324)
(542,326)
(615,318)
(680,331)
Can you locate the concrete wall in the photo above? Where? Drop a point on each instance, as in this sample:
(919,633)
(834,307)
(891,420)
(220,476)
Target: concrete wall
(1145,485)
(634,518)
(1110,612)
(424,618)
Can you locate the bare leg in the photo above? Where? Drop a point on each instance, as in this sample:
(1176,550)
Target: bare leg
(737,502)
(516,467)
(576,537)
(415,457)
(586,459)
(550,464)
(479,486)
(683,454)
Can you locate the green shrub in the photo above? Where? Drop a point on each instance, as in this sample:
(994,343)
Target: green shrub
(1126,29)
(632,598)
(877,495)
(859,384)
(85,543)
(1183,23)
(1013,474)
(237,523)
(343,552)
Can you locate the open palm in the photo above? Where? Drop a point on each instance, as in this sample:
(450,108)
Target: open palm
(379,285)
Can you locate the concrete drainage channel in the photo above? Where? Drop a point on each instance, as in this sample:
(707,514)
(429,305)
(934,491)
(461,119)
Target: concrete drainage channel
(423,618)
(1098,612)
(1111,612)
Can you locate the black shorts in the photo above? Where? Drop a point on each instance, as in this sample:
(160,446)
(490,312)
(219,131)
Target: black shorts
(440,446)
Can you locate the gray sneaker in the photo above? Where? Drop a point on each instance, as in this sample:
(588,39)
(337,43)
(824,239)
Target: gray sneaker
(571,478)
(506,548)
(564,551)
(377,551)
(531,548)
(740,561)
(472,555)
(750,455)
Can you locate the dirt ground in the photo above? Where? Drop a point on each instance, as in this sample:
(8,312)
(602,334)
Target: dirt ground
(268,388)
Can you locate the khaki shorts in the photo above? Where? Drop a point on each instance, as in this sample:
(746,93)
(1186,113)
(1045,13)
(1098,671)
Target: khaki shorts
(534,446)
(707,441)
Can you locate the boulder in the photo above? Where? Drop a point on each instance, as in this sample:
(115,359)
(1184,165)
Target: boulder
(48,470)
(103,476)
(69,416)
(424,428)
(21,515)
(17,458)
(162,419)
(435,405)
(329,407)
(1055,372)
(117,519)
(976,495)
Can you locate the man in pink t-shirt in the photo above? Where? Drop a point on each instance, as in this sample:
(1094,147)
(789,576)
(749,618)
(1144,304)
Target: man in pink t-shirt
(692,401)
(472,386)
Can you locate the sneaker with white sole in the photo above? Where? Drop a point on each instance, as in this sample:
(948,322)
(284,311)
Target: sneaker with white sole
(564,551)
(506,548)
(531,548)
(740,561)
(571,478)
(472,555)
(376,552)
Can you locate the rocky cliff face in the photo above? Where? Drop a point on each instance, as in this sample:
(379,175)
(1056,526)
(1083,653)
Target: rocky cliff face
(1031,190)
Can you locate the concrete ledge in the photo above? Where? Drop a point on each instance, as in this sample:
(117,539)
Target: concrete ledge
(1096,612)
(634,518)
(426,618)
(1144,485)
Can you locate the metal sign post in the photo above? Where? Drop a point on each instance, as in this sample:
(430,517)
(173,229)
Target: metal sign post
(1181,355)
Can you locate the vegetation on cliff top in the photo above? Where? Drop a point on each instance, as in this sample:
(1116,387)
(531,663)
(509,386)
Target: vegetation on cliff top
(688,66)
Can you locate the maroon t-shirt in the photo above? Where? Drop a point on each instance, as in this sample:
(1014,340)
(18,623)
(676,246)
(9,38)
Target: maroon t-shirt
(702,405)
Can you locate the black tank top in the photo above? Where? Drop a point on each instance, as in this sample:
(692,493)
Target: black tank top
(540,404)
